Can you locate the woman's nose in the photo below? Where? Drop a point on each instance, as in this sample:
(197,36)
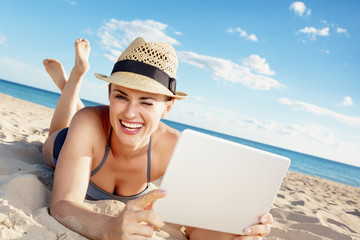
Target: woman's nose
(130,110)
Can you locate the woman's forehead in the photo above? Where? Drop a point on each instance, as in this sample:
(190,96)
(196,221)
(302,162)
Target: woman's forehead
(134,92)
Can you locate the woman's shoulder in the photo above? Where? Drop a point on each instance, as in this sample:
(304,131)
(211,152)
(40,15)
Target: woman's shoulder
(165,139)
(94,118)
(166,134)
(93,114)
(163,142)
(94,111)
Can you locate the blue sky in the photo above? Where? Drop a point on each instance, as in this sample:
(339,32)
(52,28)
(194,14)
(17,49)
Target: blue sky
(284,73)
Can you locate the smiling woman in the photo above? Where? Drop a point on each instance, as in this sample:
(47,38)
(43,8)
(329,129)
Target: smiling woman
(115,151)
(126,103)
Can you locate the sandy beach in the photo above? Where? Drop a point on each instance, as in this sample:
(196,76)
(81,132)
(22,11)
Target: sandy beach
(306,207)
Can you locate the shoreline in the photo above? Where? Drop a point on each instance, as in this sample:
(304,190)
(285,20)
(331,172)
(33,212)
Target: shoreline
(306,207)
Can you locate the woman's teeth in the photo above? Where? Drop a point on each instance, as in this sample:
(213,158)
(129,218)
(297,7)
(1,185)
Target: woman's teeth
(131,125)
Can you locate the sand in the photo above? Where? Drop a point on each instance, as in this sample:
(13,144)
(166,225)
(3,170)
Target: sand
(306,207)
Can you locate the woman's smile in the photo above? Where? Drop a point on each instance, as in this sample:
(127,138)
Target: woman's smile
(130,128)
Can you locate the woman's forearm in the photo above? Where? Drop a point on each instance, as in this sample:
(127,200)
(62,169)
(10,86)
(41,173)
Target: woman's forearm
(202,234)
(81,219)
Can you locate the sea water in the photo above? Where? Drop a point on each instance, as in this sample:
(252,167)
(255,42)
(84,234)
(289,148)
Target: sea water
(300,162)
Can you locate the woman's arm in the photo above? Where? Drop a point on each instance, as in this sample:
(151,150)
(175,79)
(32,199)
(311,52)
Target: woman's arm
(72,177)
(133,222)
(80,219)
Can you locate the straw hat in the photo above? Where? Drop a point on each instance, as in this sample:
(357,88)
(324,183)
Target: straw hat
(148,67)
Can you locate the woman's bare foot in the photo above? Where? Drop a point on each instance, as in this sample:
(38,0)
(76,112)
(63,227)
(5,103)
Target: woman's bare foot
(56,71)
(82,51)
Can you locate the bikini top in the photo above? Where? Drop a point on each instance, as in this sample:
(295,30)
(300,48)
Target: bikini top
(96,193)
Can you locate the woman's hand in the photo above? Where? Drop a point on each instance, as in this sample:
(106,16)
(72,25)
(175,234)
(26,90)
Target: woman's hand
(255,232)
(137,221)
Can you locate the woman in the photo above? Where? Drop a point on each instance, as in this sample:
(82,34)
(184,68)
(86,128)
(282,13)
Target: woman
(113,152)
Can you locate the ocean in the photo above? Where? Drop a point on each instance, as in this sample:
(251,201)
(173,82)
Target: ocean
(302,163)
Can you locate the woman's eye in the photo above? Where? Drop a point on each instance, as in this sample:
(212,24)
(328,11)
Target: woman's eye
(147,104)
(120,97)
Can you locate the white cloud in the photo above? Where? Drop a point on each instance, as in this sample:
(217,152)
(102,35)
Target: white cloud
(229,71)
(243,33)
(341,30)
(2,39)
(347,101)
(198,98)
(70,2)
(88,31)
(253,37)
(258,64)
(112,55)
(323,32)
(310,132)
(307,107)
(326,51)
(312,32)
(299,8)
(313,132)
(116,35)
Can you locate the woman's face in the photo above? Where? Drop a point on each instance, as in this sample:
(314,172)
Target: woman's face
(135,115)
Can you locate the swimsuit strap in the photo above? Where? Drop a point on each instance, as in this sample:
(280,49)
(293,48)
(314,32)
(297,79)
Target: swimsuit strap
(109,140)
(107,150)
(149,162)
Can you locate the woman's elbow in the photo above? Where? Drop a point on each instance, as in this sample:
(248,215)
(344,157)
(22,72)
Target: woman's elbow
(56,208)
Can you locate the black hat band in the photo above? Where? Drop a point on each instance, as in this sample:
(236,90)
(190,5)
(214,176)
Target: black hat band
(146,70)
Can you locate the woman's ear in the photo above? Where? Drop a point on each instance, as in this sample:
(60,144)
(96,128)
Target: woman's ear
(109,91)
(169,105)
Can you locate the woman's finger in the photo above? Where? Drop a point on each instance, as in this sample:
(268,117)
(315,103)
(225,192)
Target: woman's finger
(146,200)
(141,229)
(261,229)
(150,217)
(144,216)
(267,219)
(138,237)
(248,238)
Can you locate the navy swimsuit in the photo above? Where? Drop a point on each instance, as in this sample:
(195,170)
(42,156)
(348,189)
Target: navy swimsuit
(94,192)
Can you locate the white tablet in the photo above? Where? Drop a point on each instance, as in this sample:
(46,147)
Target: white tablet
(216,184)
